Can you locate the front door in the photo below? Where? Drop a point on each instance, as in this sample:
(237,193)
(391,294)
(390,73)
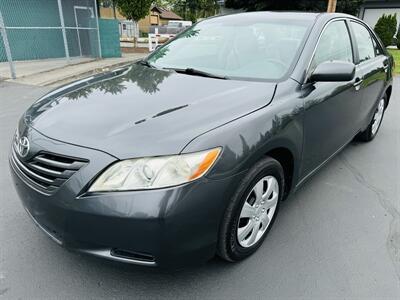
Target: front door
(331,108)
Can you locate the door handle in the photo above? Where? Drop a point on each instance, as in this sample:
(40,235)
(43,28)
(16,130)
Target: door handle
(385,65)
(357,83)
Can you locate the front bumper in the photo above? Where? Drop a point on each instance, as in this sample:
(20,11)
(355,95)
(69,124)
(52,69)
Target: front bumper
(164,227)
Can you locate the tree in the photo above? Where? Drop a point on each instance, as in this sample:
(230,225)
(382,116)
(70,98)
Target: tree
(134,10)
(351,7)
(386,28)
(195,9)
(345,6)
(164,3)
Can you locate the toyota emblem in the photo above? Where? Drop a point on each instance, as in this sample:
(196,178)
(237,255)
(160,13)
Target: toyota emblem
(22,146)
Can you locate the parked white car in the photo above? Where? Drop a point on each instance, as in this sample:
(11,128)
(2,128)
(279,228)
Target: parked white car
(180,23)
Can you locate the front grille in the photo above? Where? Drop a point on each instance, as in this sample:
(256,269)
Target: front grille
(46,171)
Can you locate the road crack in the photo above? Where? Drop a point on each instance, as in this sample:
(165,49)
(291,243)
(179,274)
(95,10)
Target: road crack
(393,239)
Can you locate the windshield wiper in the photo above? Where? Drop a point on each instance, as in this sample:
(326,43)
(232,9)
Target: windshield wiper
(144,62)
(195,72)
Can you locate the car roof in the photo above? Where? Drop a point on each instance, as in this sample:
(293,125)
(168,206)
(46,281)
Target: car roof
(283,13)
(291,15)
(260,16)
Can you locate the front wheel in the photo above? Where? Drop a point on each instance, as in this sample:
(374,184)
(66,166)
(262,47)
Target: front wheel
(252,211)
(373,127)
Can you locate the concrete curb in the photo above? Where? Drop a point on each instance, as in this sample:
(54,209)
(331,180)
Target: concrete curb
(72,72)
(55,69)
(68,79)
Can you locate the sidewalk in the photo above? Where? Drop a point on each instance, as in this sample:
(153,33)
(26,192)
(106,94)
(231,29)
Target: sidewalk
(54,72)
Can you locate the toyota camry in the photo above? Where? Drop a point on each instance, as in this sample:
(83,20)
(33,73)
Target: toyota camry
(188,153)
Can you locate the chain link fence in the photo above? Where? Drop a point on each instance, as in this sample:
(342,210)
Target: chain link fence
(35,30)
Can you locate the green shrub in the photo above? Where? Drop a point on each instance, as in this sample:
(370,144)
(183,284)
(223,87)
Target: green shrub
(386,28)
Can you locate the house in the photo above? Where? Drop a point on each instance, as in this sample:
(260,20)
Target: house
(372,10)
(109,11)
(158,16)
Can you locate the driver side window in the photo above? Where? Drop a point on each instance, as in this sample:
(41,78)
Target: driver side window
(334,44)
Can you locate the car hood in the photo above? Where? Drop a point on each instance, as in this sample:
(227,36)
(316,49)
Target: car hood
(138,111)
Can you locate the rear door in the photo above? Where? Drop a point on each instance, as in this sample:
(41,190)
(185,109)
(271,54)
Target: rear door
(331,108)
(372,65)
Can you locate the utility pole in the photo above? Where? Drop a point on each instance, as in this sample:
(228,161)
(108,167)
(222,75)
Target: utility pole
(331,6)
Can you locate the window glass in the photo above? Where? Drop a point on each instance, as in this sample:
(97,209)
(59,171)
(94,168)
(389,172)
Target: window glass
(259,48)
(334,44)
(377,47)
(366,49)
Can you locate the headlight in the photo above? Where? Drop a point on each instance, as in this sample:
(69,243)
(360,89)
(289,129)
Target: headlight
(155,172)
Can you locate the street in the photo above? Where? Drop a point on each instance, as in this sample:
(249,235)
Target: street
(337,237)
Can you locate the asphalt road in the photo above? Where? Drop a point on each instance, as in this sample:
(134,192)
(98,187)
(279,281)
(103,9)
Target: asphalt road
(338,237)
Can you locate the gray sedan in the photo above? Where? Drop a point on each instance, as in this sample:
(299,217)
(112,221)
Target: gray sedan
(189,153)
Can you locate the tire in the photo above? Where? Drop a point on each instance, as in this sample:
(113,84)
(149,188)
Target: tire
(373,127)
(266,177)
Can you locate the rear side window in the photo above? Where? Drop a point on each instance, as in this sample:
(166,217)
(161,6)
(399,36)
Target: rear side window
(365,43)
(334,44)
(377,47)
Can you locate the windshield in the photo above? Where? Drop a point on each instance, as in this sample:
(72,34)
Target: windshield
(248,48)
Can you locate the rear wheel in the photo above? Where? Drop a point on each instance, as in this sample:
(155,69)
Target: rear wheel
(373,127)
(252,211)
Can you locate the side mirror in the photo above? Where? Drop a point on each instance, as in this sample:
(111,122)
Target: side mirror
(333,71)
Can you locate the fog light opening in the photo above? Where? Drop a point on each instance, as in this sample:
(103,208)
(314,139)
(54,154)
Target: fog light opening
(127,254)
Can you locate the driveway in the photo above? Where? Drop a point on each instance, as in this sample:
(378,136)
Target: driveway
(338,237)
